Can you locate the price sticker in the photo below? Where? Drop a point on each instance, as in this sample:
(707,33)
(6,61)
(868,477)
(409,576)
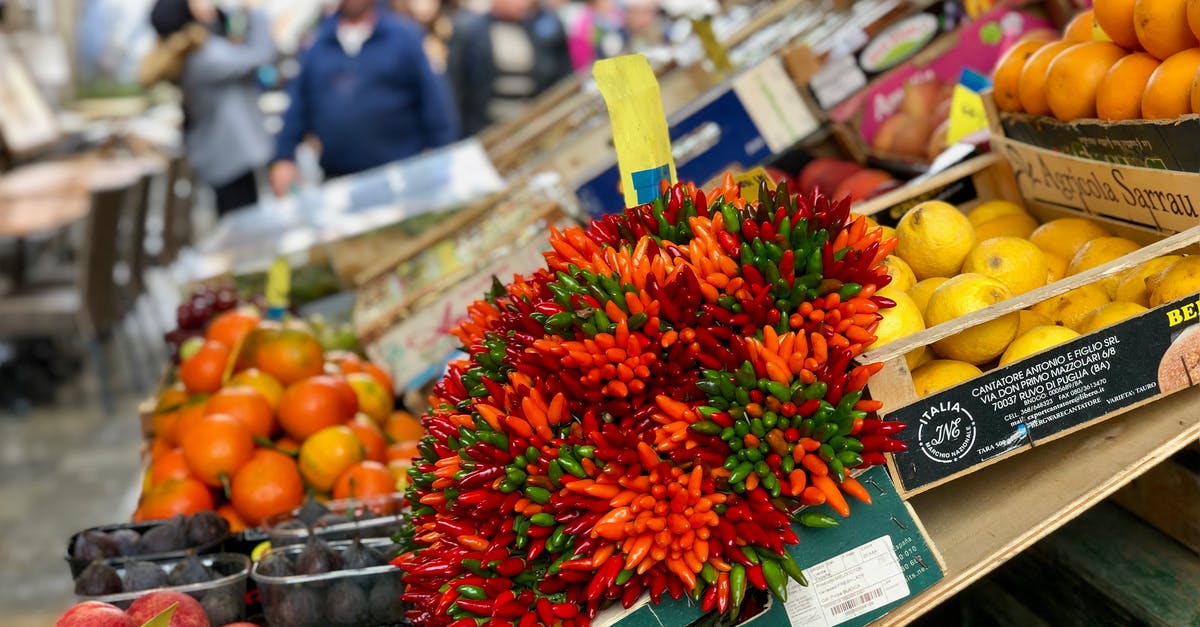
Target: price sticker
(748,182)
(640,134)
(967,115)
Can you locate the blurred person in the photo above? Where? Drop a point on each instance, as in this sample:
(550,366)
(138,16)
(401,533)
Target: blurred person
(435,17)
(644,25)
(598,33)
(214,56)
(501,60)
(367,92)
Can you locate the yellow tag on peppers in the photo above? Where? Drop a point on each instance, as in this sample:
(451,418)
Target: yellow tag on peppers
(640,134)
(748,182)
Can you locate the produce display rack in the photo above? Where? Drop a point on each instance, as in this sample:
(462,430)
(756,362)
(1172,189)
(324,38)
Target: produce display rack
(982,520)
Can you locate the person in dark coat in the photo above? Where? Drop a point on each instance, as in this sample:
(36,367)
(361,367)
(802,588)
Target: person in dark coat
(367,92)
(501,60)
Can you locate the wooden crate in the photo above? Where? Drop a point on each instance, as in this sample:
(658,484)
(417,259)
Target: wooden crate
(1168,497)
(998,415)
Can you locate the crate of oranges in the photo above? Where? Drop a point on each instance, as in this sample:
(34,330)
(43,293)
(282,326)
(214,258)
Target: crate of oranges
(1019,322)
(1103,118)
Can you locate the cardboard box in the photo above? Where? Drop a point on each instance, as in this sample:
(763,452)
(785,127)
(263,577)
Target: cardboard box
(756,114)
(1155,144)
(922,86)
(1043,397)
(857,572)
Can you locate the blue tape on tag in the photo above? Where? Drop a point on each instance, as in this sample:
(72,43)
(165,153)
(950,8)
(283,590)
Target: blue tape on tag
(648,182)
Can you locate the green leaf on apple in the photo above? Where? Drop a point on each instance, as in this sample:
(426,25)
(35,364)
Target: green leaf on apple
(163,618)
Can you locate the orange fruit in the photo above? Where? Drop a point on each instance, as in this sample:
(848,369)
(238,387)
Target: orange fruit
(380,375)
(347,361)
(1196,93)
(1006,80)
(1074,76)
(172,397)
(290,355)
(215,447)
(402,451)
(287,445)
(170,465)
(163,424)
(374,400)
(327,454)
(188,414)
(236,524)
(1120,94)
(204,371)
(312,405)
(1193,17)
(160,447)
(349,396)
(1079,29)
(245,404)
(266,385)
(364,480)
(173,497)
(1115,18)
(230,327)
(402,426)
(1162,26)
(370,436)
(267,485)
(1168,94)
(1032,90)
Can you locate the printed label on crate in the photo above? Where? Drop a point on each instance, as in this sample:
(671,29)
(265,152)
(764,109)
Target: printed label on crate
(1159,144)
(848,586)
(1169,201)
(1035,399)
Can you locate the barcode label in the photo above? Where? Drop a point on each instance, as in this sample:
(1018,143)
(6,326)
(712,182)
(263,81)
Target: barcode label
(866,597)
(848,586)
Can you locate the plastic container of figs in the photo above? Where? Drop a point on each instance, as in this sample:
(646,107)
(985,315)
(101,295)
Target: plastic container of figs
(118,545)
(345,519)
(360,597)
(223,597)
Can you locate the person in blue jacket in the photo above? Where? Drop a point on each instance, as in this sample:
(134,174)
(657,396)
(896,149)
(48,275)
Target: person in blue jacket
(367,92)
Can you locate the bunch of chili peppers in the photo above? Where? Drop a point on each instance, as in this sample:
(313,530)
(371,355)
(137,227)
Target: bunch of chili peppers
(651,412)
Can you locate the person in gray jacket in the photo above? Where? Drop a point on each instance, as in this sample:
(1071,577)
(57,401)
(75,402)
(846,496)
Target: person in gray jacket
(214,57)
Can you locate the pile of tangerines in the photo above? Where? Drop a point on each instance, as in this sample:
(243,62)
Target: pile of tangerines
(1119,60)
(261,417)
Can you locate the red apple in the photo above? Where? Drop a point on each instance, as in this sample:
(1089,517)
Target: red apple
(188,612)
(95,614)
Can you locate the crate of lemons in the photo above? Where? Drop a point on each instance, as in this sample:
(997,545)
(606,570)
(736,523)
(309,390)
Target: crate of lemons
(948,264)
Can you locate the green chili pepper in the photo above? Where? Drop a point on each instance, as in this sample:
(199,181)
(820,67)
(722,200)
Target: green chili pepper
(538,495)
(570,465)
(750,553)
(624,576)
(810,518)
(776,579)
(475,593)
(792,569)
(706,427)
(737,588)
(740,473)
(708,573)
(542,519)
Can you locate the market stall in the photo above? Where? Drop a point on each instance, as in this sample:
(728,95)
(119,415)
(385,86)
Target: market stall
(823,337)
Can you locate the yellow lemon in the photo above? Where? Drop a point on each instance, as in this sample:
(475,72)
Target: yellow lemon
(1035,341)
(1013,261)
(1099,252)
(1109,314)
(992,209)
(886,233)
(926,357)
(1016,225)
(1179,279)
(934,238)
(902,275)
(1056,267)
(1132,286)
(921,292)
(960,296)
(898,322)
(1072,308)
(1030,319)
(1064,236)
(940,374)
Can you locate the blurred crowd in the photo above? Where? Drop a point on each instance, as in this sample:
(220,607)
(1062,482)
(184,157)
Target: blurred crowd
(377,81)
